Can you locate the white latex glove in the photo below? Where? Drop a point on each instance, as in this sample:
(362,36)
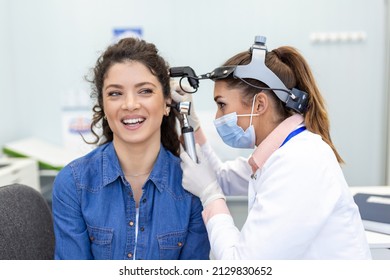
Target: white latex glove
(199,178)
(178,95)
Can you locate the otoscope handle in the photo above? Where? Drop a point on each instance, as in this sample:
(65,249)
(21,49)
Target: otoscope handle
(189,142)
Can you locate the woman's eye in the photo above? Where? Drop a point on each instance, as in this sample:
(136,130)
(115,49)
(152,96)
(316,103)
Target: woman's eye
(114,93)
(146,91)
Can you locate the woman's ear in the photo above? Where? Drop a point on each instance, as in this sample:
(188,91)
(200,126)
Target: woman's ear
(167,108)
(261,103)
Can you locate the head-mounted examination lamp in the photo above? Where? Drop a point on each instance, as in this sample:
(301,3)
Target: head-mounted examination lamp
(294,99)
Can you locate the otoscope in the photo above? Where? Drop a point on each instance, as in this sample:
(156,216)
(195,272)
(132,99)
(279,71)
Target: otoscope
(186,129)
(184,109)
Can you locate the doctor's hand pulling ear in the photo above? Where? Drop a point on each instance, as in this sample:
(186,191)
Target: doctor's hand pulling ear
(299,203)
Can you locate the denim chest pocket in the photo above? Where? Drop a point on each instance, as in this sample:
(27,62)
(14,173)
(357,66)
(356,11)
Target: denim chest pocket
(101,242)
(170,244)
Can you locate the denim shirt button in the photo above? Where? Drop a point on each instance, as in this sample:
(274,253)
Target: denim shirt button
(179,244)
(91,238)
(129,255)
(144,200)
(131,223)
(142,229)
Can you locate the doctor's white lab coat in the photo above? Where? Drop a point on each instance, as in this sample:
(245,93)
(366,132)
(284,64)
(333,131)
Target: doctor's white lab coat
(299,206)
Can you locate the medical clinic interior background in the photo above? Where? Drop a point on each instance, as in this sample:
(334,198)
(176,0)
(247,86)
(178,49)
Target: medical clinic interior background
(48,46)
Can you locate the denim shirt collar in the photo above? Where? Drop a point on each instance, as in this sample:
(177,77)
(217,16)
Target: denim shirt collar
(112,169)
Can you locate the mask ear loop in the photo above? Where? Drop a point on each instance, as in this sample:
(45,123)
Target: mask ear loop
(253,108)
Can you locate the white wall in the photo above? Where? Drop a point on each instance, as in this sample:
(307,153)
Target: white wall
(47,46)
(7,104)
(387,87)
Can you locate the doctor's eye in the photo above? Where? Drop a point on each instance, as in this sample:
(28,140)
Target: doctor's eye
(220,105)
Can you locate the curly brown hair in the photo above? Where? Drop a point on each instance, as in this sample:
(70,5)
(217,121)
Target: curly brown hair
(131,49)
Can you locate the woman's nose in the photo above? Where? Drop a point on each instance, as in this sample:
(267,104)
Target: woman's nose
(130,102)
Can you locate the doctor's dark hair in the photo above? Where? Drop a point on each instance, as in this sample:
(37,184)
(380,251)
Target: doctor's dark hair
(132,49)
(293,70)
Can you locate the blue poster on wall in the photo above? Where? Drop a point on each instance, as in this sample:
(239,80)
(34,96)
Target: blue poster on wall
(124,32)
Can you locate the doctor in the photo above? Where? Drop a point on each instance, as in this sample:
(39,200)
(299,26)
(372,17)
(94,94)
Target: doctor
(299,204)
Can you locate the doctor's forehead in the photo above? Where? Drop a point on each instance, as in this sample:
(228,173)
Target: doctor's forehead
(221,90)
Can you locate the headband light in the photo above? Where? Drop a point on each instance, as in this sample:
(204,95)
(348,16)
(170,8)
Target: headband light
(294,99)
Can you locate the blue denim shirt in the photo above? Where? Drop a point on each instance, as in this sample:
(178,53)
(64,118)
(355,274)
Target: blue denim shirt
(94,211)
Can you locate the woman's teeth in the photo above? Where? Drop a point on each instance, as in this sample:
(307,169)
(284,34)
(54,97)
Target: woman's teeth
(133,121)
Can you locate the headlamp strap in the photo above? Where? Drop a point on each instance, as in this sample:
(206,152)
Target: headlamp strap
(294,99)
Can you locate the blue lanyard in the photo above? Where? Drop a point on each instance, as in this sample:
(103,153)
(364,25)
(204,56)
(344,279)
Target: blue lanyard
(292,134)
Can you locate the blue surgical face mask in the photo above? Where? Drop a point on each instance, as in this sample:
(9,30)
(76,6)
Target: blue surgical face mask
(232,134)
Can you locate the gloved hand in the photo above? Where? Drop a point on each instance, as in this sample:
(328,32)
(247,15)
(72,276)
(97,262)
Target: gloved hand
(199,178)
(178,95)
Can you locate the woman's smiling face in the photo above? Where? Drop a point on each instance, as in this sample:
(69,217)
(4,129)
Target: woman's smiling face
(133,103)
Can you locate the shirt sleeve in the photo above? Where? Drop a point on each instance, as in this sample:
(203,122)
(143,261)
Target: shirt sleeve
(232,175)
(71,236)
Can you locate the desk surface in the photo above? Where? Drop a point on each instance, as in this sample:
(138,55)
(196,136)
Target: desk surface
(375,239)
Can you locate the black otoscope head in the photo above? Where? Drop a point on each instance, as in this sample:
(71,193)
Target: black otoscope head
(185,71)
